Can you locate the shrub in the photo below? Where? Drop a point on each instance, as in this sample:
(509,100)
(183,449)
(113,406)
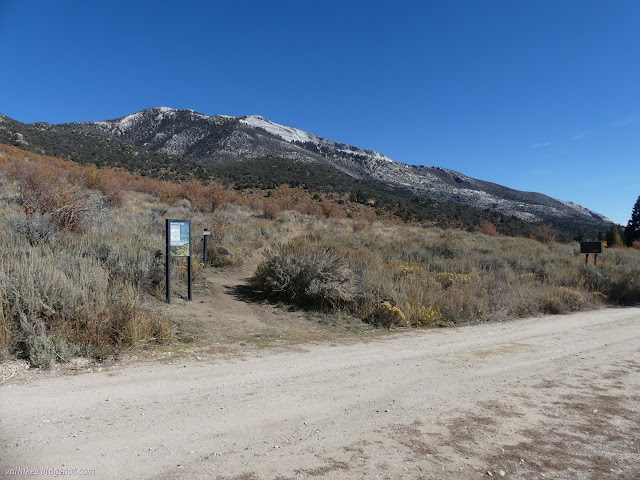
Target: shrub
(387,315)
(218,229)
(43,191)
(623,289)
(219,195)
(544,234)
(422,316)
(358,225)
(127,256)
(305,276)
(36,228)
(559,300)
(218,256)
(436,277)
(271,208)
(53,298)
(488,228)
(42,349)
(329,209)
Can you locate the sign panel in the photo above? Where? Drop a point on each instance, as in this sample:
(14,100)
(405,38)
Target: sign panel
(179,238)
(590,247)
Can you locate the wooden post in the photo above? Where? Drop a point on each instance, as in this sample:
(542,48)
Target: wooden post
(204,255)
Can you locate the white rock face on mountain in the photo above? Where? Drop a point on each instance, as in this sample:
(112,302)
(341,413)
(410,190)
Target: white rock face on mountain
(291,134)
(226,138)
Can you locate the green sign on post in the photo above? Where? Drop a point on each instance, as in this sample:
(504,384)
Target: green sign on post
(590,247)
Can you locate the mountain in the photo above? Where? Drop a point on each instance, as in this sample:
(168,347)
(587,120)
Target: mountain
(158,139)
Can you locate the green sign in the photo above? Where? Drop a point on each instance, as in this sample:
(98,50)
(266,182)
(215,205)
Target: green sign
(590,247)
(180,238)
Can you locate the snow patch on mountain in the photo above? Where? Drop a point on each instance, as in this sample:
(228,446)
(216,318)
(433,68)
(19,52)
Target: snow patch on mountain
(165,112)
(289,134)
(179,143)
(128,121)
(584,211)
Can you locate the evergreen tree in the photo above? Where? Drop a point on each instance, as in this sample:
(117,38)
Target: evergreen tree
(632,232)
(614,236)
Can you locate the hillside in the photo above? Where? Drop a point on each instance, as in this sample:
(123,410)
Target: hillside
(81,268)
(252,152)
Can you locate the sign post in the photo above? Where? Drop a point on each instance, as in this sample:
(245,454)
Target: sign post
(591,247)
(204,255)
(178,234)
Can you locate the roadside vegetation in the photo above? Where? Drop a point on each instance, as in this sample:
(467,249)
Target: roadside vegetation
(82,260)
(424,277)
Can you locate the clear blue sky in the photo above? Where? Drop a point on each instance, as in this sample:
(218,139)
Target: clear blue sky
(541,95)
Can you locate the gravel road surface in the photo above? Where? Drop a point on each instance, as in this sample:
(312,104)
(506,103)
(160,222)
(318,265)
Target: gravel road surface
(548,397)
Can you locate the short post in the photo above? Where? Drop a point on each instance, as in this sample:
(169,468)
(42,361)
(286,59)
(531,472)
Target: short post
(586,259)
(206,238)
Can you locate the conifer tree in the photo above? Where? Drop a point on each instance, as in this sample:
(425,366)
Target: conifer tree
(632,232)
(614,237)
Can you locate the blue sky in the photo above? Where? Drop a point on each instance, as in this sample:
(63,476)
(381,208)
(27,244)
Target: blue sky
(539,96)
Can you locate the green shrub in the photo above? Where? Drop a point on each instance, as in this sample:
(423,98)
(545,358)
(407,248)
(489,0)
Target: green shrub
(300,273)
(43,350)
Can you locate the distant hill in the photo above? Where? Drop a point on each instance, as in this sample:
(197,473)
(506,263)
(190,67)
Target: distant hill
(255,152)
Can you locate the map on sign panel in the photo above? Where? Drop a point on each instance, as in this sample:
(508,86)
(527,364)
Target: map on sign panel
(179,238)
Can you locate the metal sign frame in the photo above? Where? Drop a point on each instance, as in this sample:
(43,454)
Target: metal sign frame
(178,234)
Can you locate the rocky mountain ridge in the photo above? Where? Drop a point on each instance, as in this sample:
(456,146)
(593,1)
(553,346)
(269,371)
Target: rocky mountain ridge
(222,138)
(165,136)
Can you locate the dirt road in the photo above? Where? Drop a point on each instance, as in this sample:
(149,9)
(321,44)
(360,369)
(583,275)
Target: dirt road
(551,397)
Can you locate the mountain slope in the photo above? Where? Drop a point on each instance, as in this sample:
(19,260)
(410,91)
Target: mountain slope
(165,142)
(221,137)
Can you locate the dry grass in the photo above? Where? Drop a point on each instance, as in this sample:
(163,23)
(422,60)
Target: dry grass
(58,299)
(81,251)
(410,276)
(76,283)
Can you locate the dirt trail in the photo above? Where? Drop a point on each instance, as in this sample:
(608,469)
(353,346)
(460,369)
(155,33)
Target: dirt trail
(550,397)
(225,316)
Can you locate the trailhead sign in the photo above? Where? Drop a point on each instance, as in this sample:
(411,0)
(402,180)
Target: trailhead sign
(178,235)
